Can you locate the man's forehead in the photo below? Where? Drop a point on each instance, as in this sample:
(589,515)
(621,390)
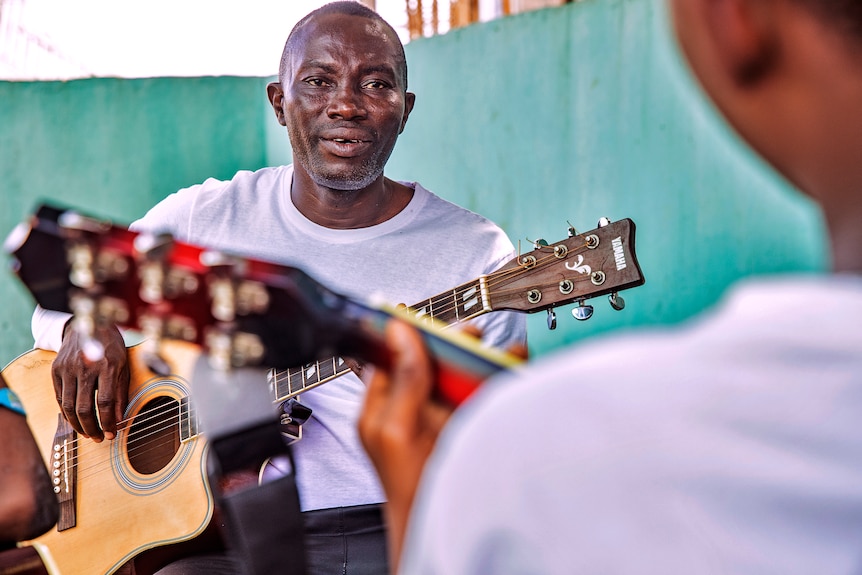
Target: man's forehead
(333,40)
(356,32)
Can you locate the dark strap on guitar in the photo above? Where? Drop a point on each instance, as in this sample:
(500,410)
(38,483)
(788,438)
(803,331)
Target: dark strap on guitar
(263,522)
(264,527)
(21,561)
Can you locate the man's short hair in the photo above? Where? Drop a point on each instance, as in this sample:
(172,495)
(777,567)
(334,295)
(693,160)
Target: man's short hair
(348,8)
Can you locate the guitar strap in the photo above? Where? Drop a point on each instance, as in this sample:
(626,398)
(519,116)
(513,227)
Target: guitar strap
(264,527)
(263,522)
(21,561)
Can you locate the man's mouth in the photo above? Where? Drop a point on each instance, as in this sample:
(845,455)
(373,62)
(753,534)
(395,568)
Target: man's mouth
(346,147)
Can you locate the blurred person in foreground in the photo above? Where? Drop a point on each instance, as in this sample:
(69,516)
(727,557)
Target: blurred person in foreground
(28,506)
(731,445)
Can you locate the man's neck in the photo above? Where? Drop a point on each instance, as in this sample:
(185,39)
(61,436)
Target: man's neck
(348,209)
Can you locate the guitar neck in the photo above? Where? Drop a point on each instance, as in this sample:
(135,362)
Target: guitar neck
(467,301)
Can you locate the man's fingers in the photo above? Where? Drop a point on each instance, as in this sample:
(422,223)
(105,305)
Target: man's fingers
(519,350)
(85,410)
(411,373)
(121,399)
(66,399)
(106,404)
(471,330)
(395,395)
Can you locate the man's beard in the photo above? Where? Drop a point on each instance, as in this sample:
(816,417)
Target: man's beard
(357,178)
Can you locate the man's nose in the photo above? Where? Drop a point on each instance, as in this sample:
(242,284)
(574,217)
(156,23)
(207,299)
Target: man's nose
(346,103)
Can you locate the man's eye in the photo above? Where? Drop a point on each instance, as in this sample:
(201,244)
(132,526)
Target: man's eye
(375,85)
(316,82)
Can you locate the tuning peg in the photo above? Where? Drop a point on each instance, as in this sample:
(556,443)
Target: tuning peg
(572,231)
(604,222)
(539,243)
(617,302)
(582,312)
(552,319)
(74,221)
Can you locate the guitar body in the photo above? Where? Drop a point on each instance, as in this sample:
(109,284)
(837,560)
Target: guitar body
(146,488)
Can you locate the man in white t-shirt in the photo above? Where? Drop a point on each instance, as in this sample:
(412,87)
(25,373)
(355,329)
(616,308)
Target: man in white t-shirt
(342,94)
(731,445)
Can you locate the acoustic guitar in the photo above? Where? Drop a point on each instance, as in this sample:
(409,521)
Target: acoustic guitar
(148,487)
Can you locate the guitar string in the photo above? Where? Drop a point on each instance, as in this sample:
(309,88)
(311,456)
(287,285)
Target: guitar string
(140,434)
(493,280)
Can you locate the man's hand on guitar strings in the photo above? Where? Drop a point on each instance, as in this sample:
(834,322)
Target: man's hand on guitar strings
(83,386)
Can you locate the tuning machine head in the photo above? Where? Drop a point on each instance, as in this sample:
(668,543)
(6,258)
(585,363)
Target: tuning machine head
(616,301)
(552,319)
(582,312)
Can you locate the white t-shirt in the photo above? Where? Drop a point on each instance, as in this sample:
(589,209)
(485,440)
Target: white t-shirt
(733,445)
(429,248)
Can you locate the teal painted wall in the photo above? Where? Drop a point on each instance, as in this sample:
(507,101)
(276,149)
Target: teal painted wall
(114,148)
(584,111)
(570,113)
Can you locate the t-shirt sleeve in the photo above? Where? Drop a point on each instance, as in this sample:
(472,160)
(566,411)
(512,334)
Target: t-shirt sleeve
(47,327)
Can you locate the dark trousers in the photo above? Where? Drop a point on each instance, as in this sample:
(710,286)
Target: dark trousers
(338,541)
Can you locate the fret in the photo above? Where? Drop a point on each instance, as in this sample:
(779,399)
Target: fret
(466,301)
(297,380)
(426,311)
(310,375)
(286,383)
(326,369)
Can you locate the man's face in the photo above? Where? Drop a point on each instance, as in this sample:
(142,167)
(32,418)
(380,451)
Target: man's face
(344,100)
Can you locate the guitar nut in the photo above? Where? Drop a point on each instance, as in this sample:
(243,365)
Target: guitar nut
(560,251)
(592,241)
(534,296)
(598,278)
(566,286)
(528,261)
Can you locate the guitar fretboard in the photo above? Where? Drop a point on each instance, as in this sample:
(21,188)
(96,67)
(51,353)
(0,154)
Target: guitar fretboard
(465,302)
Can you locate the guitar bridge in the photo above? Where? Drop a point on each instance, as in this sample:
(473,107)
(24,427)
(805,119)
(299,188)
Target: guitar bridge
(64,473)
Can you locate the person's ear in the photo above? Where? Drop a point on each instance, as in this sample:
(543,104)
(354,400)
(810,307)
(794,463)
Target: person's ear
(409,101)
(745,34)
(276,99)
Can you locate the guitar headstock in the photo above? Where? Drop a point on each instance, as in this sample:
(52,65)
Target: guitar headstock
(584,266)
(243,312)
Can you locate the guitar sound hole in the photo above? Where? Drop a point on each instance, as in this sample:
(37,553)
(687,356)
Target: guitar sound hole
(154,437)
